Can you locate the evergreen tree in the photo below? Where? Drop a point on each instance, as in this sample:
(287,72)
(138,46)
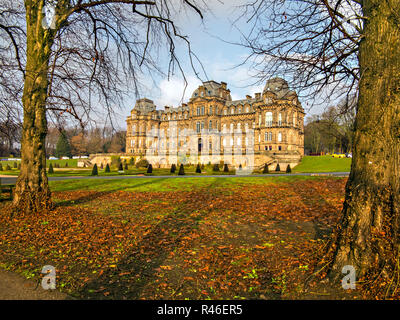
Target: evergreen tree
(226,168)
(63,147)
(173,168)
(126,166)
(101,165)
(240,167)
(120,168)
(8,168)
(66,164)
(95,171)
(1,167)
(181,170)
(216,167)
(265,170)
(198,169)
(278,168)
(132,161)
(15,165)
(51,170)
(107,168)
(288,169)
(150,168)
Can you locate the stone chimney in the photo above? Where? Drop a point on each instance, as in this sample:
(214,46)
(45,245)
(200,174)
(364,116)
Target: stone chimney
(248,97)
(223,85)
(258,95)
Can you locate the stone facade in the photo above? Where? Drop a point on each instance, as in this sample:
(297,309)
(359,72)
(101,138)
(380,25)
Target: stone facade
(275,119)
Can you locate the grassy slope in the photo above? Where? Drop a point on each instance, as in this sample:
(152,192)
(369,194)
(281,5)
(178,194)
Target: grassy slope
(323,164)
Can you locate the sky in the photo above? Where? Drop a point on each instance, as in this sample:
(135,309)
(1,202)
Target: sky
(211,40)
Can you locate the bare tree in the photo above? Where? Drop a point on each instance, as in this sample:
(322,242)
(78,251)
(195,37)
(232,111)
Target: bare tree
(73,55)
(348,44)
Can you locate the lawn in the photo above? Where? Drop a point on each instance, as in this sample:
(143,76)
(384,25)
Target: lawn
(323,164)
(172,238)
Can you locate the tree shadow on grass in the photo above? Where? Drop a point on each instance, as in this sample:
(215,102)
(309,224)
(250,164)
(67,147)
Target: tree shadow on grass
(138,268)
(98,194)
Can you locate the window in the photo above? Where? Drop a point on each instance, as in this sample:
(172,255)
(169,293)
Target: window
(210,111)
(247,109)
(132,143)
(266,137)
(224,142)
(198,127)
(246,127)
(202,110)
(239,141)
(198,111)
(225,112)
(268,119)
(231,127)
(270,136)
(239,126)
(232,110)
(294,119)
(216,110)
(279,137)
(224,128)
(279,148)
(246,141)
(202,124)
(185,115)
(240,110)
(231,141)
(259,120)
(133,129)
(210,125)
(280,119)
(169,117)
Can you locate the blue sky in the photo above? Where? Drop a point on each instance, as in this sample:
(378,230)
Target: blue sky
(220,59)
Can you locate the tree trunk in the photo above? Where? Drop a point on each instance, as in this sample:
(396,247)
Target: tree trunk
(367,236)
(32,193)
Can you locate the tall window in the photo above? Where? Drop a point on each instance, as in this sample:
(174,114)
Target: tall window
(198,111)
(210,125)
(268,119)
(239,126)
(270,136)
(134,129)
(202,124)
(280,119)
(210,111)
(240,110)
(266,138)
(232,110)
(231,127)
(279,137)
(247,109)
(202,110)
(246,126)
(198,129)
(225,112)
(224,128)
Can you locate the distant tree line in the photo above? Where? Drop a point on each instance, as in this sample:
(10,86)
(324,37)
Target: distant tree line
(75,142)
(331,131)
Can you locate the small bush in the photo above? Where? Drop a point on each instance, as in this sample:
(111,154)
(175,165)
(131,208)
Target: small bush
(202,166)
(216,167)
(265,170)
(150,168)
(142,164)
(240,167)
(198,169)
(95,171)
(51,170)
(173,168)
(66,164)
(15,165)
(126,166)
(226,168)
(8,168)
(120,168)
(181,170)
(107,168)
(101,165)
(1,167)
(288,169)
(132,161)
(278,168)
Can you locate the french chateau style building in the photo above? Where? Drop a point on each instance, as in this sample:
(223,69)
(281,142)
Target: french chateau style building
(271,124)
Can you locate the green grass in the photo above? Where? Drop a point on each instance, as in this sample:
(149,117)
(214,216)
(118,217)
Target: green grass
(323,164)
(170,184)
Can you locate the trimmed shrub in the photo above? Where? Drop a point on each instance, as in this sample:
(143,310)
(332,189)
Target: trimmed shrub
(1,167)
(132,161)
(288,169)
(202,166)
(150,168)
(240,167)
(198,169)
(142,164)
(51,170)
(66,164)
(15,165)
(126,166)
(278,168)
(107,168)
(95,171)
(120,168)
(226,169)
(265,170)
(216,167)
(173,168)
(19,166)
(101,165)
(8,168)
(181,170)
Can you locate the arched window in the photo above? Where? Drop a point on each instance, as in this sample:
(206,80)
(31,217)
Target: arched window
(268,119)
(210,125)
(246,126)
(270,136)
(232,110)
(224,142)
(231,127)
(240,110)
(224,128)
(280,119)
(247,109)
(134,129)
(279,137)
(225,112)
(210,110)
(239,126)
(239,141)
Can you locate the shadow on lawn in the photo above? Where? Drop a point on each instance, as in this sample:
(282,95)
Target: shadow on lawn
(98,194)
(137,270)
